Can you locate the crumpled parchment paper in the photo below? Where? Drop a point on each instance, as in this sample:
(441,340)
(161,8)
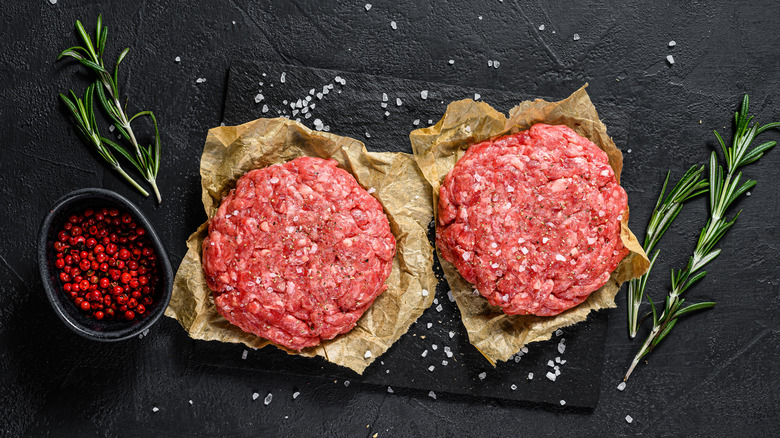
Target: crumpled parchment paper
(437,148)
(231,151)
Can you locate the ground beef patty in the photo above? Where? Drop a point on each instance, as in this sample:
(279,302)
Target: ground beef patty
(297,252)
(533,219)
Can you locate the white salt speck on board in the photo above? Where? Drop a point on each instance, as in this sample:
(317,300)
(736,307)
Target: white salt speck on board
(563,402)
(398,101)
(672,43)
(747,194)
(530,376)
(670,59)
(439,308)
(111,128)
(434,347)
(368,6)
(387,113)
(259,98)
(450,296)
(200,80)
(432,395)
(429,325)
(190,401)
(480,17)
(431,368)
(629,420)
(496,64)
(513,387)
(255,396)
(558,332)
(541,27)
(424,353)
(452,335)
(477,96)
(416,122)
(177,59)
(296,394)
(576,36)
(244,354)
(551,376)
(368,354)
(390,390)
(393,25)
(154,409)
(54,2)
(482,375)
(490,63)
(368,135)
(621,386)
(550,363)
(424,94)
(346,383)
(265,109)
(451,62)
(430,122)
(283,77)
(425,292)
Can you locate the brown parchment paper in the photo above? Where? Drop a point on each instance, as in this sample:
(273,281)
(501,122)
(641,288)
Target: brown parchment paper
(437,148)
(231,151)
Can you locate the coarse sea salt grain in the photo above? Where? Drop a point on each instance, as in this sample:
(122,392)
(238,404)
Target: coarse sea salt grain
(496,64)
(530,376)
(425,292)
(490,63)
(672,43)
(550,363)
(368,6)
(387,113)
(346,383)
(177,59)
(200,80)
(431,368)
(482,375)
(551,376)
(296,394)
(155,409)
(424,94)
(429,325)
(371,190)
(670,59)
(368,354)
(390,390)
(439,308)
(450,296)
(444,363)
(434,347)
(541,27)
(268,398)
(368,135)
(576,36)
(265,109)
(393,25)
(54,2)
(477,96)
(259,98)
(424,353)
(452,335)
(416,122)
(398,101)
(255,396)
(244,354)
(563,402)
(629,419)
(621,386)
(190,401)
(432,395)
(513,387)
(283,77)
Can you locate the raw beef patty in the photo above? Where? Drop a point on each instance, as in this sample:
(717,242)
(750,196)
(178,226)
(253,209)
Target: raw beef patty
(533,220)
(297,252)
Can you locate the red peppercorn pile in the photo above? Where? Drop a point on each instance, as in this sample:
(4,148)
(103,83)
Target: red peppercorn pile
(106,264)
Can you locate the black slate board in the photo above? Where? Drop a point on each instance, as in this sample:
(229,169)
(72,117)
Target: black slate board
(355,109)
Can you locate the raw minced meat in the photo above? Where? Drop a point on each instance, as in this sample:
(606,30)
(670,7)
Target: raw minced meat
(297,252)
(533,219)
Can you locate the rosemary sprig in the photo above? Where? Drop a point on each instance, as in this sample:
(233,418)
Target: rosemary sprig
(666,210)
(145,159)
(86,125)
(723,191)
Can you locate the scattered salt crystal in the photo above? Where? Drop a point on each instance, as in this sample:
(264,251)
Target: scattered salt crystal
(670,59)
(259,98)
(447,350)
(518,357)
(435,301)
(544,239)
(255,396)
(54,2)
(477,96)
(562,346)
(346,383)
(432,395)
(177,59)
(296,394)
(424,94)
(496,64)
(383,104)
(434,347)
(621,386)
(629,420)
(398,101)
(283,77)
(243,354)
(319,96)
(425,292)
(368,6)
(424,353)
(524,350)
(451,61)
(444,363)
(563,402)
(390,390)
(482,375)
(190,401)
(265,109)
(560,258)
(268,398)
(431,368)
(480,17)
(629,151)
(452,335)
(466,256)
(530,376)
(576,36)
(429,325)
(513,387)
(371,190)
(387,113)
(524,250)
(557,372)
(450,296)
(393,25)
(416,122)
(747,194)
(430,122)
(384,97)
(439,308)
(672,43)
(551,376)
(368,354)
(557,359)
(368,135)
(200,80)
(154,409)
(338,79)
(541,27)
(550,363)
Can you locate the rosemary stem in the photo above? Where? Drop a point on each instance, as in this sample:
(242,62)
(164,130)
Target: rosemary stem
(153,183)
(132,181)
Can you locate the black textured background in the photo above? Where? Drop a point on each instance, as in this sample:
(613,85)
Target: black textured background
(717,375)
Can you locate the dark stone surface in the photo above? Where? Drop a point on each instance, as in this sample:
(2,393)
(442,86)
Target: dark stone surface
(716,375)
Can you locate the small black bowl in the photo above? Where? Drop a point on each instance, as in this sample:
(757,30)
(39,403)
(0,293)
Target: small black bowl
(105,330)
